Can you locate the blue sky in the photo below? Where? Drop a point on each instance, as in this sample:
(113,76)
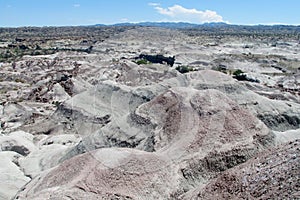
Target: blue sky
(14,13)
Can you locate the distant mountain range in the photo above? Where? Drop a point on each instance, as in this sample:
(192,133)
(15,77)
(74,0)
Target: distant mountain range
(183,25)
(168,24)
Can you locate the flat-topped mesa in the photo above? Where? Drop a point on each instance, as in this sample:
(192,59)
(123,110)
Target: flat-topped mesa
(157,59)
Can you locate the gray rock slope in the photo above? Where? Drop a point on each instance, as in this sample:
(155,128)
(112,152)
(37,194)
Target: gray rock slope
(194,139)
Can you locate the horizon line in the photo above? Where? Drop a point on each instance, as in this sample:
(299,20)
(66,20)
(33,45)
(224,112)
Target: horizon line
(137,23)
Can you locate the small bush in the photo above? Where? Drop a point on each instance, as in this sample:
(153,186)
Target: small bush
(238,72)
(17,80)
(56,103)
(142,62)
(36,53)
(114,60)
(220,68)
(184,69)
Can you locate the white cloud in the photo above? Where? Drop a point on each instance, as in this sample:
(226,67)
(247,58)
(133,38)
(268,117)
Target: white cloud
(154,4)
(76,5)
(179,13)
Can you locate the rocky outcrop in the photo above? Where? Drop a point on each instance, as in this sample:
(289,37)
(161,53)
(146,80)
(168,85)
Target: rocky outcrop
(270,175)
(279,115)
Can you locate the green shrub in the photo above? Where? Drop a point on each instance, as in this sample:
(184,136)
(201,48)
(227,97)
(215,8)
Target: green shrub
(142,62)
(238,72)
(114,60)
(18,80)
(36,53)
(184,69)
(220,68)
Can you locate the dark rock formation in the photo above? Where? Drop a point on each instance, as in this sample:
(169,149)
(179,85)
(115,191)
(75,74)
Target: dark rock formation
(158,59)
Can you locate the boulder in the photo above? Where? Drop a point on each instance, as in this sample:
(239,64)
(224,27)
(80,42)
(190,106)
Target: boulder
(19,142)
